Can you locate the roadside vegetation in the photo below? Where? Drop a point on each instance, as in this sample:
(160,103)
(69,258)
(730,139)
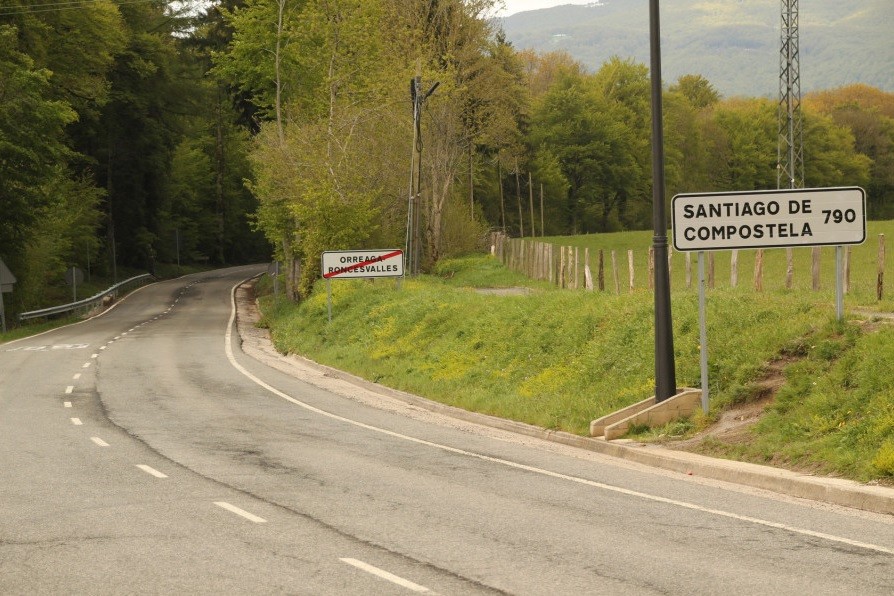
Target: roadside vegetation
(863,265)
(558,359)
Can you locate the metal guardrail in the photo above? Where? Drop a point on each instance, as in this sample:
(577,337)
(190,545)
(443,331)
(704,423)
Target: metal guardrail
(87,303)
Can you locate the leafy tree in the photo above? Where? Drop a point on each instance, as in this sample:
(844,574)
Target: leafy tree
(63,235)
(829,155)
(742,147)
(586,133)
(31,143)
(698,91)
(869,115)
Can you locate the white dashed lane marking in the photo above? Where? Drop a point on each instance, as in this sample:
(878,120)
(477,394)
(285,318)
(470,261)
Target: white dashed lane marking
(381,573)
(69,389)
(233,509)
(99,441)
(151,470)
(76,421)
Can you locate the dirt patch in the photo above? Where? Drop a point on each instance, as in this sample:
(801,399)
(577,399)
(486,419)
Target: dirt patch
(734,425)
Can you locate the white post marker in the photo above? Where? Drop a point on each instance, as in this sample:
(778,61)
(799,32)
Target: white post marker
(352,264)
(767,219)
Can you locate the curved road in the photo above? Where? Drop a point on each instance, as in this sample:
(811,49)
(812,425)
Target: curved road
(143,451)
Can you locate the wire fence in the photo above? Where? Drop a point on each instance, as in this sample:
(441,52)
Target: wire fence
(575,267)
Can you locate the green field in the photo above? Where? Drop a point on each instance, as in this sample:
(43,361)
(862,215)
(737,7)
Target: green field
(559,358)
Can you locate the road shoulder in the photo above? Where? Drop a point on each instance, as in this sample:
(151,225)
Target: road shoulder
(878,499)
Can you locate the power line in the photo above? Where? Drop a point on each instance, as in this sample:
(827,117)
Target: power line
(60,6)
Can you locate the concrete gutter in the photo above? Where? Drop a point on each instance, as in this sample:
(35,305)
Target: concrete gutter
(836,491)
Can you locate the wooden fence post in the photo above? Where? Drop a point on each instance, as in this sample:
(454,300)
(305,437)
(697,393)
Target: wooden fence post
(847,269)
(630,268)
(759,271)
(615,274)
(588,275)
(790,267)
(688,270)
(576,278)
(734,269)
(815,257)
(880,280)
(561,266)
(601,274)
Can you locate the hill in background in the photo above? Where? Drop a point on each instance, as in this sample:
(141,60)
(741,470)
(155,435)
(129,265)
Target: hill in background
(732,43)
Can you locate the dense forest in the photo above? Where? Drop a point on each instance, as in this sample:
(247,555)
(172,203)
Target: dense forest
(139,132)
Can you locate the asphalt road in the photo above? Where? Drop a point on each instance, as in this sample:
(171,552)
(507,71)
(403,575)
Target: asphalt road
(144,452)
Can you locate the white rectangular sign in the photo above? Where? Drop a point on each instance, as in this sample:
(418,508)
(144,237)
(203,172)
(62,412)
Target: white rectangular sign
(767,219)
(341,264)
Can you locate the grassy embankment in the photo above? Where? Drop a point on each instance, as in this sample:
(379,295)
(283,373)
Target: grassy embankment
(559,358)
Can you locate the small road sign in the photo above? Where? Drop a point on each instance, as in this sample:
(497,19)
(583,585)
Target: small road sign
(343,264)
(767,219)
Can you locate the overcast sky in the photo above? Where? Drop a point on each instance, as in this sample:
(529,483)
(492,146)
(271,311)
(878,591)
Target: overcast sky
(514,6)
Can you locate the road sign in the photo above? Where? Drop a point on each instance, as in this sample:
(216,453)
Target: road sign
(7,279)
(767,219)
(74,276)
(343,264)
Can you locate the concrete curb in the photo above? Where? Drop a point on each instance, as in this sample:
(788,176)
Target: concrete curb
(835,491)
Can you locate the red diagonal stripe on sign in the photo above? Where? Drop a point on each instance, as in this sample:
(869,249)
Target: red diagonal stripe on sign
(362,264)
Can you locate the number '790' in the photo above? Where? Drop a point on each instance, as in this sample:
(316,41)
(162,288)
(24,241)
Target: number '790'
(838,215)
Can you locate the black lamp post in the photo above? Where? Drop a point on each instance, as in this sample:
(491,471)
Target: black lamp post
(665,375)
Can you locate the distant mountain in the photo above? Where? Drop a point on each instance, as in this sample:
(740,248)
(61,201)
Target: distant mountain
(733,43)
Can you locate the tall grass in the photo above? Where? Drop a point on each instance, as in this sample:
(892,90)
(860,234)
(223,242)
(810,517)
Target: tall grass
(552,358)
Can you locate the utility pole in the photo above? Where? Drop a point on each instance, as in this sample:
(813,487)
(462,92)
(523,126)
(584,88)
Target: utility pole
(790,146)
(413,249)
(665,373)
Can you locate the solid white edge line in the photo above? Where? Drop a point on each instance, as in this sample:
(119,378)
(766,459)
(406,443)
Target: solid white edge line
(99,441)
(683,504)
(233,509)
(151,470)
(381,573)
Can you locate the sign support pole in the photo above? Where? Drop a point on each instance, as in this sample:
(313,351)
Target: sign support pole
(2,313)
(703,329)
(839,285)
(329,297)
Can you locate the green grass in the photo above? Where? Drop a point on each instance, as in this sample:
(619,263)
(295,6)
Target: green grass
(558,358)
(33,329)
(835,413)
